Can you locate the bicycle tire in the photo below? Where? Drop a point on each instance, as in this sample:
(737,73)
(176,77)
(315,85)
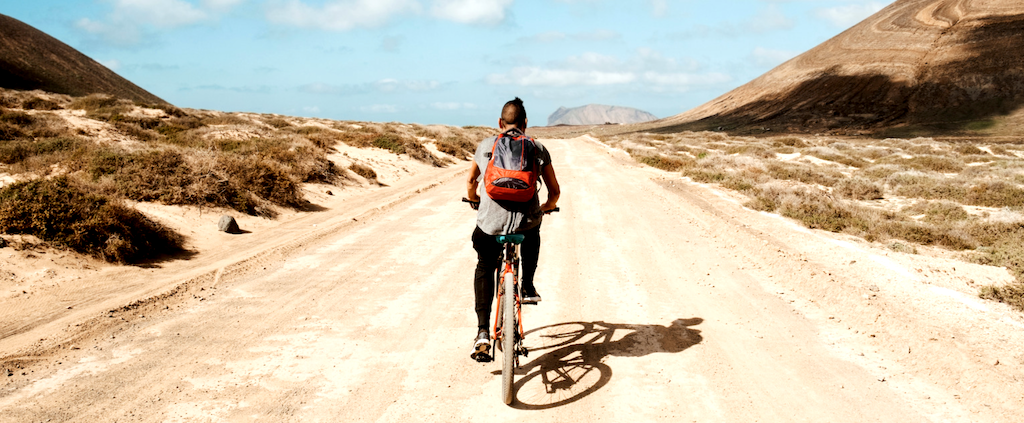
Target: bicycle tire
(509,327)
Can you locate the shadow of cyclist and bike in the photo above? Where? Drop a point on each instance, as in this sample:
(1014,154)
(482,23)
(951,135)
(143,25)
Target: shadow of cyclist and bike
(571,365)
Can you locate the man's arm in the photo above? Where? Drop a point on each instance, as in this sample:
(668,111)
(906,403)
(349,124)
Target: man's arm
(473,182)
(547,173)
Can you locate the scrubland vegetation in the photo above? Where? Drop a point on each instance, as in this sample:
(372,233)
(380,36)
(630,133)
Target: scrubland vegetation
(75,161)
(959,195)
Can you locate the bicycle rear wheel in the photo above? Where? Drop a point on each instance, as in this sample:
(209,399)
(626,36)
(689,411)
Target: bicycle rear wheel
(509,327)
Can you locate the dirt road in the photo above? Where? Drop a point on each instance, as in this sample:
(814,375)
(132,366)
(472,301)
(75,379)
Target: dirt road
(662,302)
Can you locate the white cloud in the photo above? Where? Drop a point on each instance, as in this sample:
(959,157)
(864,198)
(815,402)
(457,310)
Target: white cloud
(129,21)
(528,76)
(112,64)
(221,5)
(647,70)
(339,15)
(544,37)
(311,109)
(483,12)
(769,19)
(659,8)
(598,35)
(159,13)
(768,58)
(850,14)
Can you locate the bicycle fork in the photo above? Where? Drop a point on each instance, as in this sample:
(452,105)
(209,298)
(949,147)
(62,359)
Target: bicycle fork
(499,329)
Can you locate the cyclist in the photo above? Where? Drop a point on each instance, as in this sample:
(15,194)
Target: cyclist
(503,218)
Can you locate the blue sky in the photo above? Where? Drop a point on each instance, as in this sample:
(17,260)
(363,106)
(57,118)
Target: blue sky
(439,61)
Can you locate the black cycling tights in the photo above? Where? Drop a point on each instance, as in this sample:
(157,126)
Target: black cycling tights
(488,253)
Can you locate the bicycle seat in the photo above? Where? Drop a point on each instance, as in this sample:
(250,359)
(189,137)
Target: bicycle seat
(514,238)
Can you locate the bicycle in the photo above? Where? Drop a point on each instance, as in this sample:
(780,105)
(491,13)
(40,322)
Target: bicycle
(510,311)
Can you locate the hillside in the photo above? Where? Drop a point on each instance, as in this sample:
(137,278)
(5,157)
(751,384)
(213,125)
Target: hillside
(598,114)
(33,60)
(935,64)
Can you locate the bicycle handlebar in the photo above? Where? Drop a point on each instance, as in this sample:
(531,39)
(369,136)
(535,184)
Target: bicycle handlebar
(476,204)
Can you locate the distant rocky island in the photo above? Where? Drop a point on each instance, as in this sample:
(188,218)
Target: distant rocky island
(598,114)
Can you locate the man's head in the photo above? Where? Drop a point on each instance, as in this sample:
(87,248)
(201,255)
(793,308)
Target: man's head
(513,114)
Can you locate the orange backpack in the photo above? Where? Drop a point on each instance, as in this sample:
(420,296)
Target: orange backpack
(511,173)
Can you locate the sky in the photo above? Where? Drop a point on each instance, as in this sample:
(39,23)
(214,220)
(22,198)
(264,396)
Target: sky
(450,62)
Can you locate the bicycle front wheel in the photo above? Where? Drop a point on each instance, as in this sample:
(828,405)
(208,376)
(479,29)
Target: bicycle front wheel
(509,327)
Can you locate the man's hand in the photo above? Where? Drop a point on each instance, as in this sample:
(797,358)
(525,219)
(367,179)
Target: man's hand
(548,206)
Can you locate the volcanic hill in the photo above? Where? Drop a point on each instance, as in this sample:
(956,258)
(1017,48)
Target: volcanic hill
(598,114)
(32,60)
(944,65)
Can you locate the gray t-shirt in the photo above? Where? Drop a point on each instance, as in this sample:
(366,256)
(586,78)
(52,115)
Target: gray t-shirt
(505,217)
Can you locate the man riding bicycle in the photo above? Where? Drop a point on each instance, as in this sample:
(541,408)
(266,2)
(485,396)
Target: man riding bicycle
(502,217)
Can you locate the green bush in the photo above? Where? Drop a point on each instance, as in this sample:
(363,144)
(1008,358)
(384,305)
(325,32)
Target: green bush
(389,142)
(17,151)
(59,212)
(669,163)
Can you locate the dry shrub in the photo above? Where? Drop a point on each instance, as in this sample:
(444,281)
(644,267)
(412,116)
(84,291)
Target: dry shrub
(881,171)
(38,103)
(968,150)
(159,175)
(277,122)
(925,149)
(926,186)
(17,151)
(9,131)
(753,150)
(790,142)
(1005,247)
(833,155)
(927,163)
(669,163)
(16,124)
(1012,294)
(266,179)
(225,119)
(324,140)
(316,168)
(802,173)
(61,213)
(924,234)
(460,147)
(137,131)
(358,138)
(938,212)
(177,130)
(364,171)
(977,158)
(815,208)
(995,194)
(873,153)
(1000,150)
(858,189)
(417,151)
(102,106)
(8,100)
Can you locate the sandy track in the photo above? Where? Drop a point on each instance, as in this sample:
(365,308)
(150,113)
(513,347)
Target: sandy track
(661,302)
